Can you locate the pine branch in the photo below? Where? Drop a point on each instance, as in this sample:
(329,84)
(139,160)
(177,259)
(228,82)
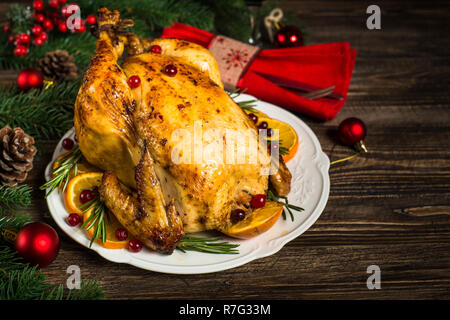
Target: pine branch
(43,114)
(14,197)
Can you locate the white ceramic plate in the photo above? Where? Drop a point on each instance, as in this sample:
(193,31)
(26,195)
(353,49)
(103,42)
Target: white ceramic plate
(310,189)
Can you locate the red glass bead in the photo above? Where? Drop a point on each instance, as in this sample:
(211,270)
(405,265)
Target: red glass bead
(258,201)
(121,234)
(135,245)
(237,215)
(73,219)
(67,143)
(38,5)
(156,49)
(170,70)
(91,19)
(134,81)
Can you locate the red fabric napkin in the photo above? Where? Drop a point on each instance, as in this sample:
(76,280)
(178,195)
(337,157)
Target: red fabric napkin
(321,65)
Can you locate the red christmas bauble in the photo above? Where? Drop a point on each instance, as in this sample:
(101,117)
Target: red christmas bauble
(351,131)
(288,36)
(37,243)
(30,78)
(38,5)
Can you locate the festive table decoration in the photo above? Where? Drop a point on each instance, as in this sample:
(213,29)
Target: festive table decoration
(58,65)
(17,151)
(30,78)
(352,132)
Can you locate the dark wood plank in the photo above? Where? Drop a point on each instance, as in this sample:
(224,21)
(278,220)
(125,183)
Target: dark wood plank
(390,207)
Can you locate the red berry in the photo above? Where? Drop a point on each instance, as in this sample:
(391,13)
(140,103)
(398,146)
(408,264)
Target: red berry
(38,41)
(62,1)
(37,30)
(135,245)
(134,81)
(269,132)
(263,125)
(38,5)
(73,219)
(39,18)
(258,201)
(121,234)
(79,26)
(44,36)
(253,117)
(170,70)
(11,39)
(6,28)
(24,38)
(48,24)
(237,215)
(62,27)
(67,143)
(20,51)
(87,195)
(53,3)
(156,49)
(91,19)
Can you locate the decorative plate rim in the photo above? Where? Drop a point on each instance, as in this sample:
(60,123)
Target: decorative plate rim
(272,246)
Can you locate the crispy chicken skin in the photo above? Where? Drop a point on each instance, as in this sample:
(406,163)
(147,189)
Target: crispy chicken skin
(131,133)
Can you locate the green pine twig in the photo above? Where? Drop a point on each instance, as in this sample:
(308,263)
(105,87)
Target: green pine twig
(14,197)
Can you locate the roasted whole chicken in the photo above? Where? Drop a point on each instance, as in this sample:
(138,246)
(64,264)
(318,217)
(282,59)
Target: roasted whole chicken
(132,132)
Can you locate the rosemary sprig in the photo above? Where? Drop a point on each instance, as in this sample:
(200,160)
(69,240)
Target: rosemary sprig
(247,105)
(97,219)
(287,206)
(62,172)
(207,245)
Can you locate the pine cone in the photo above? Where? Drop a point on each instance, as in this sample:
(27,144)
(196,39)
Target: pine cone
(17,151)
(58,65)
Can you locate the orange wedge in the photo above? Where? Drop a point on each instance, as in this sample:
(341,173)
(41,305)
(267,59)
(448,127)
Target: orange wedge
(111,226)
(77,184)
(287,136)
(257,222)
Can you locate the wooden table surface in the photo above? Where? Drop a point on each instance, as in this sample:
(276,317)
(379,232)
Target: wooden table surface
(390,208)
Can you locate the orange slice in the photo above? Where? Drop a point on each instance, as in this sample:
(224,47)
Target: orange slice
(77,184)
(111,226)
(257,222)
(287,136)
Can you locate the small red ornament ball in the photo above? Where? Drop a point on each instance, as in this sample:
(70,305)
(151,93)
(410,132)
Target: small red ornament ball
(38,5)
(37,243)
(351,131)
(135,245)
(91,19)
(73,219)
(6,28)
(37,30)
(20,51)
(48,24)
(134,81)
(39,18)
(156,49)
(30,78)
(170,70)
(288,36)
(258,201)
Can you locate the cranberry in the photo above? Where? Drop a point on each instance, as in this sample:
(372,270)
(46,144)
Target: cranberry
(253,117)
(121,234)
(39,41)
(156,49)
(269,132)
(87,195)
(237,215)
(39,18)
(24,38)
(258,201)
(38,5)
(6,28)
(263,125)
(135,245)
(67,143)
(134,81)
(20,51)
(74,219)
(48,24)
(91,19)
(62,26)
(53,3)
(170,70)
(62,1)
(43,36)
